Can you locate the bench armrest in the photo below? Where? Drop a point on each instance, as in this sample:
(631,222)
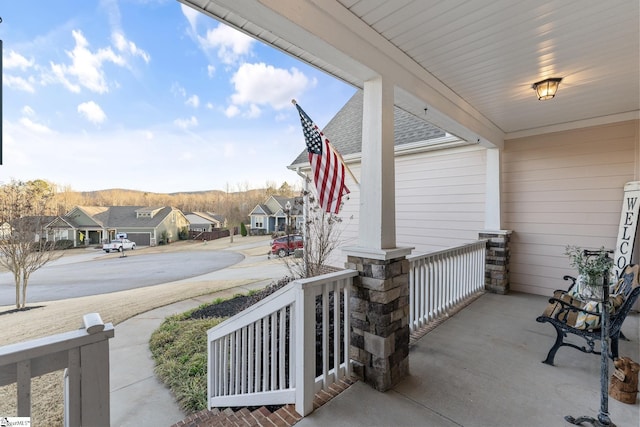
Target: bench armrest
(573,281)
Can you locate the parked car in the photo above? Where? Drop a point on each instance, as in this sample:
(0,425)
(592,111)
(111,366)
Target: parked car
(119,245)
(286,245)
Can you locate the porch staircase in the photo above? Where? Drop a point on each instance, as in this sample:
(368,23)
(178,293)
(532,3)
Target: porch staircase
(280,416)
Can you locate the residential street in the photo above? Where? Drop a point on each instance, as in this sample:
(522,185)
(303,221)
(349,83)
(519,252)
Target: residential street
(81,275)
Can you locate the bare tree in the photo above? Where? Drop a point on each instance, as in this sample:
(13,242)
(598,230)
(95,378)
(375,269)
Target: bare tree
(23,248)
(323,235)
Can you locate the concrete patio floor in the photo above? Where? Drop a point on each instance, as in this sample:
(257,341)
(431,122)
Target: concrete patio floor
(482,367)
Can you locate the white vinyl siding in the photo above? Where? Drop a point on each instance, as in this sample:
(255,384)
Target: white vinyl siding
(440,198)
(563,189)
(439,201)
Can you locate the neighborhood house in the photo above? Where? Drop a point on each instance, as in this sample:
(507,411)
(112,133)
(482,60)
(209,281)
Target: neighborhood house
(90,225)
(272,215)
(205,221)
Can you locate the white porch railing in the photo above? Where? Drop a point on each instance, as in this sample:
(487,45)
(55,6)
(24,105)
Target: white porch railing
(267,354)
(440,280)
(84,353)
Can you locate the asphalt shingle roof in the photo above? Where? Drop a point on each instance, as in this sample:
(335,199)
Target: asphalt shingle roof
(344,130)
(125,216)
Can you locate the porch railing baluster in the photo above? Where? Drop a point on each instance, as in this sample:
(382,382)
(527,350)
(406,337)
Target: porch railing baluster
(441,280)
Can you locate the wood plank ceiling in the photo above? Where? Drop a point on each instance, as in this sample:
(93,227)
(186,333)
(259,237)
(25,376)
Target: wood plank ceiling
(490,53)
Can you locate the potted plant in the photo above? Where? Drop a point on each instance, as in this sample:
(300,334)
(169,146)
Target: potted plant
(590,268)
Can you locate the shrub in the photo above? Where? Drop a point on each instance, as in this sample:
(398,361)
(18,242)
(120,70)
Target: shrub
(183,234)
(164,238)
(63,244)
(243,229)
(179,348)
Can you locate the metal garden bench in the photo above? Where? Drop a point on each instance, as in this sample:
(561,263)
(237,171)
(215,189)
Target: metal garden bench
(566,314)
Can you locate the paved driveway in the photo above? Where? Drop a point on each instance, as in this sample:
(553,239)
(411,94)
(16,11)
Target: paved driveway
(93,274)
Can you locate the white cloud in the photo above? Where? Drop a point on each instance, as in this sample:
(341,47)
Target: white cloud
(92,112)
(33,126)
(86,66)
(231,44)
(15,60)
(253,112)
(178,90)
(28,111)
(127,46)
(261,84)
(18,83)
(186,123)
(193,101)
(231,111)
(211,70)
(191,14)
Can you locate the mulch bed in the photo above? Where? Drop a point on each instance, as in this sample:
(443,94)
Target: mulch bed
(235,305)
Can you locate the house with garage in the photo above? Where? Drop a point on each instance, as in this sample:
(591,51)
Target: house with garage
(275,213)
(147,226)
(205,221)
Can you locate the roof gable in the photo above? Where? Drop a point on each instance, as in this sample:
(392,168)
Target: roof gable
(260,210)
(61,222)
(201,218)
(88,216)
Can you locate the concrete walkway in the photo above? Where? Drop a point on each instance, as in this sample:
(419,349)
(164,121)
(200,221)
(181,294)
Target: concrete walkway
(138,398)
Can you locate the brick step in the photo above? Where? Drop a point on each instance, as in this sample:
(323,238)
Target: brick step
(286,416)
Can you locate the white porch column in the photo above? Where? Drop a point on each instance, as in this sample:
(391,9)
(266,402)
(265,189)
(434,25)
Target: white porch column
(499,240)
(492,217)
(377,190)
(379,303)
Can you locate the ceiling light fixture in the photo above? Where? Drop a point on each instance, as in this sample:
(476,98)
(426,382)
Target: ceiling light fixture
(546,89)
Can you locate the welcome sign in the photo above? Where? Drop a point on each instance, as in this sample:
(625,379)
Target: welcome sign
(628,226)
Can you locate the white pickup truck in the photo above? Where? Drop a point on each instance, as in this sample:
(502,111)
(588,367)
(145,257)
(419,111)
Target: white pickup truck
(119,245)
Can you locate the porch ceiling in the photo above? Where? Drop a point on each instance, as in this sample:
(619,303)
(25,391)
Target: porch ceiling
(471,63)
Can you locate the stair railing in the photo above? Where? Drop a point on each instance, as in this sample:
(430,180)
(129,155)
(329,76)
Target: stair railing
(285,348)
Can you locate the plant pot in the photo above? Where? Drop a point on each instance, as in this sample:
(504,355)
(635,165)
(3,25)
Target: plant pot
(590,287)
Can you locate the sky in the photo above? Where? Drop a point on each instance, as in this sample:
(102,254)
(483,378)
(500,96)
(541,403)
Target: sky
(150,95)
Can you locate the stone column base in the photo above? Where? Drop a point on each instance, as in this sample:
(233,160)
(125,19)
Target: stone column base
(496,278)
(379,308)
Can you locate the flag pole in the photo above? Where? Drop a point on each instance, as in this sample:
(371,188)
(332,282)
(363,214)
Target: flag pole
(294,102)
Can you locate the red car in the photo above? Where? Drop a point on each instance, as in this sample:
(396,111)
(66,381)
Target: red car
(279,245)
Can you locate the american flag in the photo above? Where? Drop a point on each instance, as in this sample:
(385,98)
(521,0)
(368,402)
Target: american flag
(326,165)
